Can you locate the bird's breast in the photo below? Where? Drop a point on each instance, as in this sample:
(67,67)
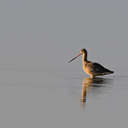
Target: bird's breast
(86,69)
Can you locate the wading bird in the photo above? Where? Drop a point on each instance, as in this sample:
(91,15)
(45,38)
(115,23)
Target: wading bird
(91,68)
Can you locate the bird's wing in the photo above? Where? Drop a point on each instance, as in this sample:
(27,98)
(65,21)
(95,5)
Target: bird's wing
(98,68)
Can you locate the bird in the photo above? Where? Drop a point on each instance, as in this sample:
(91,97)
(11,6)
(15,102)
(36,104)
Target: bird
(93,69)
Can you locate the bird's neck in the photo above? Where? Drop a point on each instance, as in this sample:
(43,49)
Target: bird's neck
(84,59)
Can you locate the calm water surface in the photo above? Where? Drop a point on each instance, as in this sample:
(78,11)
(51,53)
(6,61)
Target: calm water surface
(38,88)
(33,97)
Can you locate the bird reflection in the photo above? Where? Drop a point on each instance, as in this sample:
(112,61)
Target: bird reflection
(89,82)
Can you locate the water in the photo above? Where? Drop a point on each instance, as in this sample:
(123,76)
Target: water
(33,97)
(38,87)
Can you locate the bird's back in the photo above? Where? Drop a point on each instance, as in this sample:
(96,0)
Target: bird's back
(99,69)
(95,69)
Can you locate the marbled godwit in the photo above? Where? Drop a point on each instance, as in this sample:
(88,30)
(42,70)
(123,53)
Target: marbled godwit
(90,68)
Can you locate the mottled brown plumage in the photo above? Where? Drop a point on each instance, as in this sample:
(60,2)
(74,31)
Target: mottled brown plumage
(90,68)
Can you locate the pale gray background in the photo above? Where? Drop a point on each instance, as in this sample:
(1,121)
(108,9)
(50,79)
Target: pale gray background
(38,88)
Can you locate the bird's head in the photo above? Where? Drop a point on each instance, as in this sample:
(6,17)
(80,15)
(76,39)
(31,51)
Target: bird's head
(82,52)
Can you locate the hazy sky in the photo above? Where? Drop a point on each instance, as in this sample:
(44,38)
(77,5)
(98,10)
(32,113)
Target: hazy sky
(45,31)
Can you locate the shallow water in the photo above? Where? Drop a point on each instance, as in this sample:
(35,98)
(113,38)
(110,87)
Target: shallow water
(38,88)
(33,97)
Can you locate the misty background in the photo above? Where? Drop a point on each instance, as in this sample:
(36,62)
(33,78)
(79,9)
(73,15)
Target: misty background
(38,88)
(50,32)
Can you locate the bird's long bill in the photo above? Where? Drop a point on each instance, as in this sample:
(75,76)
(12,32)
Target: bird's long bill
(74,58)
